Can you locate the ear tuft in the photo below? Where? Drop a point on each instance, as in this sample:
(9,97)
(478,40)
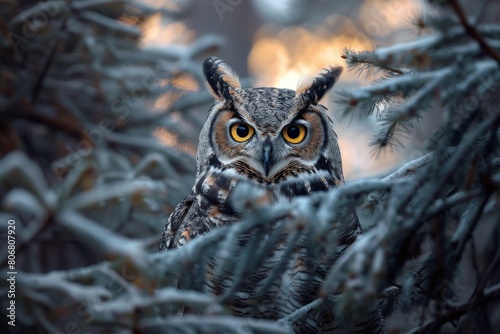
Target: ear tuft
(220,78)
(311,90)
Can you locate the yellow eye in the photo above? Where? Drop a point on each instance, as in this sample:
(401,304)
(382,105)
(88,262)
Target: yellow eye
(294,133)
(241,132)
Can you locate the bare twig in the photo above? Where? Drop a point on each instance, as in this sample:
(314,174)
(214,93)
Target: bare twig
(50,59)
(471,30)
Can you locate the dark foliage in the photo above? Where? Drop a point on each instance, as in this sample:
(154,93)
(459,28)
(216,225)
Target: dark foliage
(89,187)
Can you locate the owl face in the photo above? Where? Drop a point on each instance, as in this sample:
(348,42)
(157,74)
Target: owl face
(262,133)
(269,135)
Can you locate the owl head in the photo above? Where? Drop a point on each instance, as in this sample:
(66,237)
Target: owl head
(270,136)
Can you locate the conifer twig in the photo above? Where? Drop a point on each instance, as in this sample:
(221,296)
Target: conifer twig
(473,32)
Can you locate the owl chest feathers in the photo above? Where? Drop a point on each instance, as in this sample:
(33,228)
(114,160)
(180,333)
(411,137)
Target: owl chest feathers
(213,189)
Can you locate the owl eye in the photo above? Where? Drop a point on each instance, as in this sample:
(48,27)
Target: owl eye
(241,132)
(294,133)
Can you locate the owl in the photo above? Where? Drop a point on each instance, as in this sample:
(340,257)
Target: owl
(282,141)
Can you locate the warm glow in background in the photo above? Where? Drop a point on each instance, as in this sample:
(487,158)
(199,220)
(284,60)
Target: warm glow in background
(281,56)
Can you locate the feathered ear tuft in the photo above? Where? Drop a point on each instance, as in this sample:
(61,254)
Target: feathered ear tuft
(221,80)
(311,90)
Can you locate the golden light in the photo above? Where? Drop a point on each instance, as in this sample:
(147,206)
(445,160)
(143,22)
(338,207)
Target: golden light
(283,56)
(269,58)
(183,84)
(157,32)
(283,59)
(383,16)
(170,139)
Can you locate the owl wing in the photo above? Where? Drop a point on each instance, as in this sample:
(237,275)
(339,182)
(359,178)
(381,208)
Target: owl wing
(174,223)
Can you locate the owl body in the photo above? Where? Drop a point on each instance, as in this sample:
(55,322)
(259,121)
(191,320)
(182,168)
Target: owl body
(280,141)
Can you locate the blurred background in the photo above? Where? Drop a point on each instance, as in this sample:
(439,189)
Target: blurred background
(97,95)
(102,102)
(278,43)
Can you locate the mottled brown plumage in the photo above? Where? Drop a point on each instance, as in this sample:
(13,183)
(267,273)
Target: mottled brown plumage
(283,142)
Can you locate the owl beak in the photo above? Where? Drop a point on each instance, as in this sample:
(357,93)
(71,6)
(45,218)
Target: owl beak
(267,150)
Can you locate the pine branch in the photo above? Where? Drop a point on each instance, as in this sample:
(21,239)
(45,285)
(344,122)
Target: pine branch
(365,61)
(410,167)
(471,30)
(302,312)
(115,196)
(455,312)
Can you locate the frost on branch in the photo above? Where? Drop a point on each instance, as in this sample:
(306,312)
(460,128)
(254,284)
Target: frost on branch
(440,225)
(90,188)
